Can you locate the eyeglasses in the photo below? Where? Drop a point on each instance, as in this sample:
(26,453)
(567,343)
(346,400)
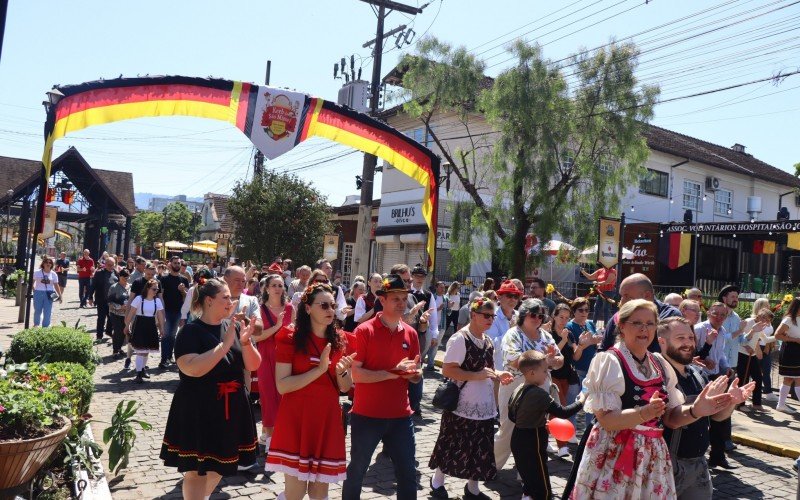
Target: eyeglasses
(326,305)
(491,316)
(642,326)
(582,310)
(538,316)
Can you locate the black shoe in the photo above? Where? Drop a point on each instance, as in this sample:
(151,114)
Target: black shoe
(730,446)
(253,468)
(722,464)
(418,415)
(127,363)
(469,496)
(163,365)
(144,373)
(439,492)
(139,378)
(99,337)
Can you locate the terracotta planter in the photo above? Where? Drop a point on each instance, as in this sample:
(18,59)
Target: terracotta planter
(21,460)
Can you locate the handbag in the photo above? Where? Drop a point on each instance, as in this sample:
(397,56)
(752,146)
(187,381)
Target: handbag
(447,394)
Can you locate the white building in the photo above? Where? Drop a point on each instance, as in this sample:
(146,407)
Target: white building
(158,204)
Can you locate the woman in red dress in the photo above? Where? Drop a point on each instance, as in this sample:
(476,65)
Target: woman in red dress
(276,313)
(311,371)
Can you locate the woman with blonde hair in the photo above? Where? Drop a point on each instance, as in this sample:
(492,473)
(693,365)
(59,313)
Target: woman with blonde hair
(757,332)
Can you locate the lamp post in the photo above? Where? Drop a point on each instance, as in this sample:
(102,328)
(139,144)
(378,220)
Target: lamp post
(10,196)
(164,236)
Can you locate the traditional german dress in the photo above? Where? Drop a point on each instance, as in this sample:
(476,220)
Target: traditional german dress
(308,442)
(630,463)
(144,332)
(210,425)
(789,360)
(465,446)
(267,390)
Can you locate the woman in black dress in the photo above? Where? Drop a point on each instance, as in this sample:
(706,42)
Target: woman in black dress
(210,428)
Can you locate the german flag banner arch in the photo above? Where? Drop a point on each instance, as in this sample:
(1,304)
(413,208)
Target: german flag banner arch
(275,120)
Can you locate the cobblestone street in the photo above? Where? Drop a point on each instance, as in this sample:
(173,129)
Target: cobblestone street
(760,475)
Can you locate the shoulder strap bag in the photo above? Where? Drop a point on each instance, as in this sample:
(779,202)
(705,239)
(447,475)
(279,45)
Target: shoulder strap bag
(447,393)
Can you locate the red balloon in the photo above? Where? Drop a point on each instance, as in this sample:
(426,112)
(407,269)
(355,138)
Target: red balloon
(561,429)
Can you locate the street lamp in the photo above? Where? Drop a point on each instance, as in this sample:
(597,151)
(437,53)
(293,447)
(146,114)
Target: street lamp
(448,169)
(53,96)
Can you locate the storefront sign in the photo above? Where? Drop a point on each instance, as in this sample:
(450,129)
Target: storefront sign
(608,242)
(444,238)
(49,228)
(776,226)
(400,215)
(330,249)
(642,240)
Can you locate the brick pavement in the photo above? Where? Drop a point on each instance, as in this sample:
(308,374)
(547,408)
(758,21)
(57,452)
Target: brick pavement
(760,475)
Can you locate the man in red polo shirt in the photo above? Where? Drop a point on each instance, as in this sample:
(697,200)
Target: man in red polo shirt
(387,359)
(85,270)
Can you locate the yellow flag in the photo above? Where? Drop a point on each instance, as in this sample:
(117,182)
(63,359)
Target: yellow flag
(793,241)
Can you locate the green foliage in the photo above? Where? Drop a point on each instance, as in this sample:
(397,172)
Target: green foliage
(79,449)
(150,228)
(53,344)
(13,279)
(278,214)
(31,402)
(564,151)
(122,435)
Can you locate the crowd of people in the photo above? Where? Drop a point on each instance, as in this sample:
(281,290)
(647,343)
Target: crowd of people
(657,382)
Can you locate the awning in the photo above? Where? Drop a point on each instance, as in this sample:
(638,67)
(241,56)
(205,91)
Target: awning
(173,245)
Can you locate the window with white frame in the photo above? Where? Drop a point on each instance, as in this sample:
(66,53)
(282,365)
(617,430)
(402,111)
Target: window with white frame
(723,202)
(692,195)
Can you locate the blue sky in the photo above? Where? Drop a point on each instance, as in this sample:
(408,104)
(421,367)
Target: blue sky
(50,43)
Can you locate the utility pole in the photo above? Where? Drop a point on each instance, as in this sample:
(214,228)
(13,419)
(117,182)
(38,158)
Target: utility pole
(361,257)
(258,158)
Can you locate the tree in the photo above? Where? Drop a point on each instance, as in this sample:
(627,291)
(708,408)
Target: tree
(564,145)
(278,214)
(174,223)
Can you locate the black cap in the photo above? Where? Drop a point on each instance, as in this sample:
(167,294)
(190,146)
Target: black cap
(392,283)
(418,269)
(726,290)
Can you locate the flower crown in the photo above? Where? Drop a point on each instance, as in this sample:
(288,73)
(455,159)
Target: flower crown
(386,284)
(311,289)
(201,281)
(479,303)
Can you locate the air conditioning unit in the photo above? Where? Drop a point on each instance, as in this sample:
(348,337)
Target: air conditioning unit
(712,183)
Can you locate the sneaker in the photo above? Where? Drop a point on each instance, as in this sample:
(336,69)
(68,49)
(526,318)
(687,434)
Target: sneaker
(163,365)
(551,449)
(563,452)
(786,409)
(770,396)
(144,373)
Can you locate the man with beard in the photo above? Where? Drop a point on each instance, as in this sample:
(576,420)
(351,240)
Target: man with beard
(173,291)
(689,439)
(729,295)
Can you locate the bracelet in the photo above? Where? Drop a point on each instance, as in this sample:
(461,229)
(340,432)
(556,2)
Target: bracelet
(691,411)
(641,417)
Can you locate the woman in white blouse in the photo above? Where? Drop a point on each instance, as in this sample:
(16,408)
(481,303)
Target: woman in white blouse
(464,446)
(629,390)
(45,290)
(757,332)
(526,335)
(145,325)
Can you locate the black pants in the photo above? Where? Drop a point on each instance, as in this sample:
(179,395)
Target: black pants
(452,317)
(103,320)
(750,366)
(117,335)
(529,447)
(719,433)
(84,290)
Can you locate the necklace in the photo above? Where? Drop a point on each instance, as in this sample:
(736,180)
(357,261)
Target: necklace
(644,366)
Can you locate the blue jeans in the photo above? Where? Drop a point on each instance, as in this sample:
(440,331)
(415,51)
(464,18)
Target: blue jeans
(84,289)
(171,320)
(397,435)
(602,309)
(415,395)
(42,304)
(589,418)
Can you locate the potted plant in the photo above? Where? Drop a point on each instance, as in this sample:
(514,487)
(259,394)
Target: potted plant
(36,407)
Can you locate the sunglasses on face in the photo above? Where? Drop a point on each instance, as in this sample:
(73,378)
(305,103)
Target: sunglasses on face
(487,316)
(538,316)
(326,305)
(582,310)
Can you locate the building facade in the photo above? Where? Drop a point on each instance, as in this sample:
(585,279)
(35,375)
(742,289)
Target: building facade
(158,204)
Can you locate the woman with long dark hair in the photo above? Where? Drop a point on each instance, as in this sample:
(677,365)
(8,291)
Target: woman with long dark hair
(276,312)
(145,325)
(368,304)
(210,428)
(311,371)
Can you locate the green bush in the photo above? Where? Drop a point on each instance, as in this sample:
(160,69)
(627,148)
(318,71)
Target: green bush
(49,345)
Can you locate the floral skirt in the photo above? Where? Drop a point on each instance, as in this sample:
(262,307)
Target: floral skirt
(465,448)
(624,465)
